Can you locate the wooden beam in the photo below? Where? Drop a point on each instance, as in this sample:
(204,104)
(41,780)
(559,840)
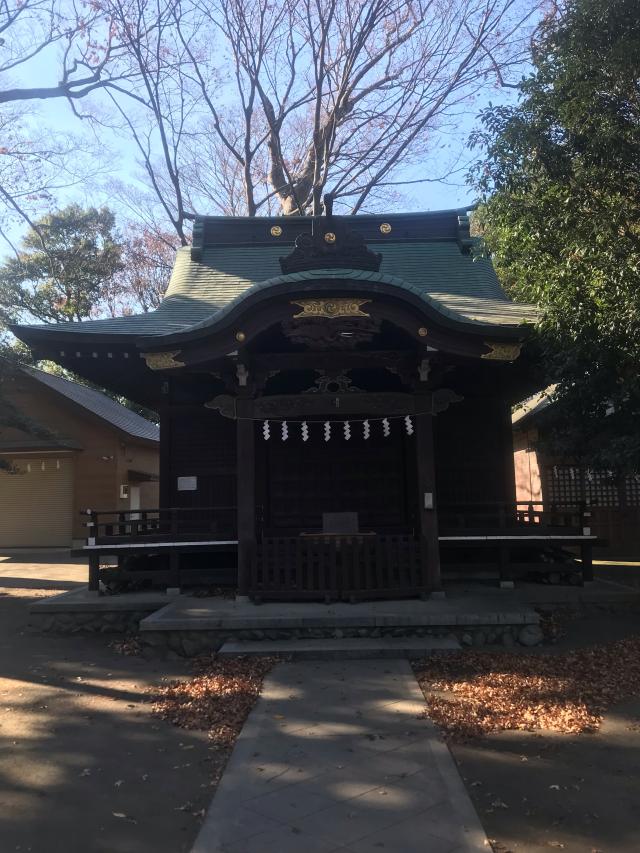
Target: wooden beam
(332,360)
(427,504)
(367,404)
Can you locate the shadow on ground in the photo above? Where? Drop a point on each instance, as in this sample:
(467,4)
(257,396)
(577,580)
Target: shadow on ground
(85,766)
(576,793)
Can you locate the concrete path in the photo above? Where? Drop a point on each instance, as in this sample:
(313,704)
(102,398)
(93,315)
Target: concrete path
(334,758)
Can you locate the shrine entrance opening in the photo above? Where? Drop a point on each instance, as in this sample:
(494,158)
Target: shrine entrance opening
(303,480)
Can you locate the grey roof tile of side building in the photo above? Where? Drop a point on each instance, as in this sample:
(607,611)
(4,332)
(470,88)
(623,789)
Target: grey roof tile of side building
(98,404)
(462,287)
(530,408)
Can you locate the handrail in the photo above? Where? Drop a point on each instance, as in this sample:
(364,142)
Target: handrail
(141,524)
(155,509)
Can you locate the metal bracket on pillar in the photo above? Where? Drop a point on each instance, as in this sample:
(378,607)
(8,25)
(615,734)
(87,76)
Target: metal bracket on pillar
(243,375)
(424,369)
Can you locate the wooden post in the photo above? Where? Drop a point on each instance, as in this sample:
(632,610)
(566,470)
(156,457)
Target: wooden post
(166,471)
(94,571)
(427,506)
(506,581)
(586,556)
(173,582)
(246,500)
(586,548)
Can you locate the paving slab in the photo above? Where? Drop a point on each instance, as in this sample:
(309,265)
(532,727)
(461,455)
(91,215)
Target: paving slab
(350,648)
(336,756)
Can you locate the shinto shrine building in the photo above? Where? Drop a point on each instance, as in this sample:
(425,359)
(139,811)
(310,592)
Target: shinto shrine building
(334,396)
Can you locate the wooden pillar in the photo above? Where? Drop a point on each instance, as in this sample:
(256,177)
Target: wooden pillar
(173,582)
(586,555)
(246,502)
(427,505)
(504,552)
(94,571)
(166,472)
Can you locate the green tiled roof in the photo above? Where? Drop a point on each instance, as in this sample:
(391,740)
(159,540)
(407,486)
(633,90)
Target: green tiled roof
(452,281)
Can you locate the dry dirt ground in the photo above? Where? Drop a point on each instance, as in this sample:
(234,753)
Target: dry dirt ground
(86,768)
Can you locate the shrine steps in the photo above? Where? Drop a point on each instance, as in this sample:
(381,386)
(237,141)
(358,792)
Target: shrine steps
(349,648)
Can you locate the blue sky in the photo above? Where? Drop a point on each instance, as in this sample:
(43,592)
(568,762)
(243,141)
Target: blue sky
(119,156)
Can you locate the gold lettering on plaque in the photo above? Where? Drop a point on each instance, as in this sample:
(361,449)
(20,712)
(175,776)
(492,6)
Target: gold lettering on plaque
(331,308)
(162,360)
(502,352)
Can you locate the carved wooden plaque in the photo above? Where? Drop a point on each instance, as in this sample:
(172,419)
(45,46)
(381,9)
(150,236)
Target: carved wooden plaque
(331,308)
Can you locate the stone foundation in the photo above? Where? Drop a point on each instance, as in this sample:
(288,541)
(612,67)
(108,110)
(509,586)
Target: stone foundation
(191,643)
(90,622)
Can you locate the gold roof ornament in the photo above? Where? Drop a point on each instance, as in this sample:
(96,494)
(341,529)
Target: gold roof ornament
(330,308)
(330,237)
(385,228)
(501,351)
(163,360)
(276,231)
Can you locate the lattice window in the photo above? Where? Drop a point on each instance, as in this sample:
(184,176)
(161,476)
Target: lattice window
(632,490)
(564,484)
(601,488)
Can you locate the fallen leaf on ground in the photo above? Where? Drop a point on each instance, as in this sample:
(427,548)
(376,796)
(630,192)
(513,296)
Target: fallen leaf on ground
(217,699)
(470,694)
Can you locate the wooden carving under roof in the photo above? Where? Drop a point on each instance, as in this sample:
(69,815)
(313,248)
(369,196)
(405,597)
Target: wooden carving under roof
(331,334)
(331,245)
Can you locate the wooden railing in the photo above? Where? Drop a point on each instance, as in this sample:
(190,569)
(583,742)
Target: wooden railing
(158,525)
(339,567)
(513,518)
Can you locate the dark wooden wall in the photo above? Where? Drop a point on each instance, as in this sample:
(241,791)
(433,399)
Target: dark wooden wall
(202,444)
(296,481)
(474,452)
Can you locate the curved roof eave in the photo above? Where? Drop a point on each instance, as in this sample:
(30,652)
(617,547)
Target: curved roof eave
(332,279)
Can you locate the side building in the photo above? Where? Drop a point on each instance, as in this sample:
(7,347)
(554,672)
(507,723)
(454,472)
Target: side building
(84,450)
(541,476)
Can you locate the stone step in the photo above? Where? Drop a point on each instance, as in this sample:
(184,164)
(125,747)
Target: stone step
(350,648)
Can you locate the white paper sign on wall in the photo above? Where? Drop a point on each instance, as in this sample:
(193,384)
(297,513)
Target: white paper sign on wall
(187,484)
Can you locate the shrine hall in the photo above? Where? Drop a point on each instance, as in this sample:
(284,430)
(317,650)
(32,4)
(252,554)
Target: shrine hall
(334,396)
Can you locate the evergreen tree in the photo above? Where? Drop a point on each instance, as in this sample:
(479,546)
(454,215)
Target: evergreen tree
(561,216)
(64,268)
